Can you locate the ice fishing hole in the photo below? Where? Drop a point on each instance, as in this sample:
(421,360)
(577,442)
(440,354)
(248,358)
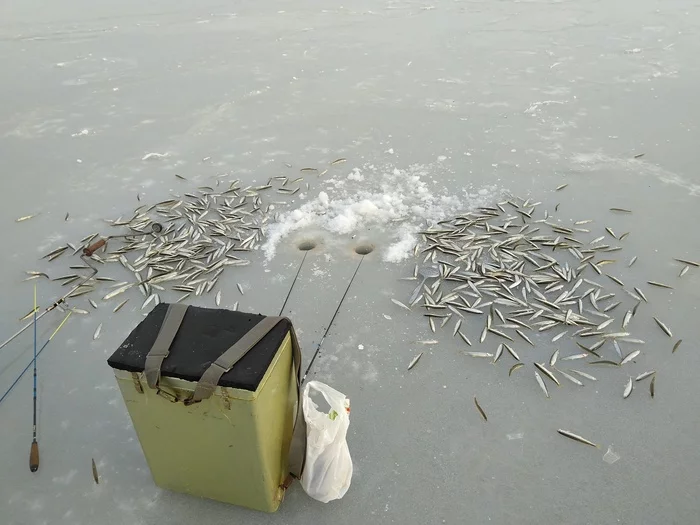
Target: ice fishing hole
(305,246)
(364,249)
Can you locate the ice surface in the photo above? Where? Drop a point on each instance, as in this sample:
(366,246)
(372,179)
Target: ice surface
(472,98)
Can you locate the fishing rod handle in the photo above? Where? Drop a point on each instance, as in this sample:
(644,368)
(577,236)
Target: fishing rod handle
(34,457)
(89,250)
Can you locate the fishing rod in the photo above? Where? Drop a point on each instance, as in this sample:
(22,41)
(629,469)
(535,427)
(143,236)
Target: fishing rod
(34,449)
(14,383)
(318,348)
(156,228)
(88,252)
(56,304)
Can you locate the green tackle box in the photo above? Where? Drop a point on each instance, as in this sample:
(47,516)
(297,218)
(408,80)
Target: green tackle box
(234,444)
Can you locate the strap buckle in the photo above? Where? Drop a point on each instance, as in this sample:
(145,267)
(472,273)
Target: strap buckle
(167,395)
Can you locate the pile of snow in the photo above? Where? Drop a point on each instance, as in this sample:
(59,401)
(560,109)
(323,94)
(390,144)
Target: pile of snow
(397,201)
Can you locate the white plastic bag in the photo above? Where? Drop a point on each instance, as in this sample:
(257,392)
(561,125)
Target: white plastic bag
(328,469)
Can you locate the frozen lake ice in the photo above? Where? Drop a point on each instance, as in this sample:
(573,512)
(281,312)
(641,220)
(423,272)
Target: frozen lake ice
(437,107)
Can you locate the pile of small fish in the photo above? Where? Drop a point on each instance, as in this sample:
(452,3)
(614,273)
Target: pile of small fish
(185,243)
(499,262)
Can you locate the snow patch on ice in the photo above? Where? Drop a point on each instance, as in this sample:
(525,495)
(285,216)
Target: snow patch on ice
(396,201)
(154,156)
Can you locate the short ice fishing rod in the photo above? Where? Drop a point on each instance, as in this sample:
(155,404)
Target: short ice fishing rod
(34,449)
(88,252)
(318,348)
(14,383)
(56,304)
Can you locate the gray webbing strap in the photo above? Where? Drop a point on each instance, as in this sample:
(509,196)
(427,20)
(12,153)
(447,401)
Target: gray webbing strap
(297,449)
(211,376)
(161,348)
(210,379)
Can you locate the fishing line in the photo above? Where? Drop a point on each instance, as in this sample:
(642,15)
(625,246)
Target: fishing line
(54,305)
(294,282)
(318,348)
(34,449)
(88,252)
(14,383)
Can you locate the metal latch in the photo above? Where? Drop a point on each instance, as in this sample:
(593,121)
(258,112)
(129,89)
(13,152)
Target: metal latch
(167,395)
(137,382)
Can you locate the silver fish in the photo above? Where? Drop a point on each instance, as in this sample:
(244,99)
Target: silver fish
(152,297)
(559,336)
(120,305)
(617,348)
(628,389)
(583,374)
(524,337)
(414,361)
(399,303)
(481,410)
(629,357)
(512,352)
(542,385)
(483,334)
(574,357)
(55,253)
(499,352)
(663,327)
(641,294)
(576,437)
(644,375)
(116,292)
(604,324)
(685,261)
(26,218)
(97,332)
(553,359)
(626,320)
(660,285)
(514,368)
(548,373)
(464,338)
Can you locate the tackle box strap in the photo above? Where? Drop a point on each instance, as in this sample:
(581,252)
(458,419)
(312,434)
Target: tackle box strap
(210,379)
(161,348)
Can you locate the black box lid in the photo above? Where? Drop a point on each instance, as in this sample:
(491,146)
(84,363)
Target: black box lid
(204,335)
